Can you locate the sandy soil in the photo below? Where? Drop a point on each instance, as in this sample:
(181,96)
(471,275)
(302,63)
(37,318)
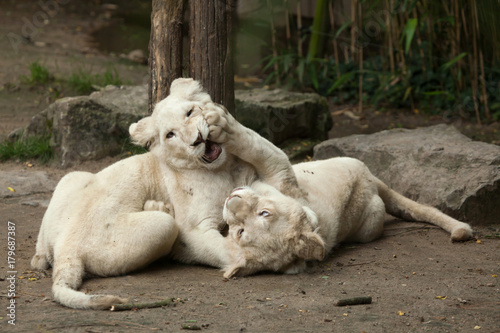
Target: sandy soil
(418,279)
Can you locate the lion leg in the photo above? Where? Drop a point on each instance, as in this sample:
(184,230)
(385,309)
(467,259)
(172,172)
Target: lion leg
(68,190)
(372,222)
(204,246)
(132,241)
(271,163)
(135,240)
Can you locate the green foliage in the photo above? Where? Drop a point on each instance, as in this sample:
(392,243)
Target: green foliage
(409,32)
(437,65)
(39,74)
(84,82)
(27,148)
(129,148)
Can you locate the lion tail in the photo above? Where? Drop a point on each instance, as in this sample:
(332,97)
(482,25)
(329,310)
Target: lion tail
(402,207)
(68,277)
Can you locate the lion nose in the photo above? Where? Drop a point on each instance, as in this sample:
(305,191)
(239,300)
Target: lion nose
(235,203)
(198,140)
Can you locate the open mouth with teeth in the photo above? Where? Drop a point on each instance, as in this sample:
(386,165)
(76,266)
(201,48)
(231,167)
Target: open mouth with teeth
(212,149)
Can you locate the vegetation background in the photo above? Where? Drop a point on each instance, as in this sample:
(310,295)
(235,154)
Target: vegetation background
(381,60)
(439,57)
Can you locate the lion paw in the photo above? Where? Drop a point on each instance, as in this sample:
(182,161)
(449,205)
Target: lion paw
(461,233)
(153,205)
(220,122)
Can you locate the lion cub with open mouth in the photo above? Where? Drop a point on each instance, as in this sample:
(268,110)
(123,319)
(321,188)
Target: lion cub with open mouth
(343,202)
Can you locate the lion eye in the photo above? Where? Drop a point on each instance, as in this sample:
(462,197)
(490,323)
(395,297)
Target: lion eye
(170,135)
(265,213)
(240,232)
(189,113)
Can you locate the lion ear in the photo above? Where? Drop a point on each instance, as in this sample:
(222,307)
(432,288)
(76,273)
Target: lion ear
(232,271)
(310,246)
(143,132)
(187,88)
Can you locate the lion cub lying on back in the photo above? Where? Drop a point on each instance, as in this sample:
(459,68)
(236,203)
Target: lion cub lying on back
(344,202)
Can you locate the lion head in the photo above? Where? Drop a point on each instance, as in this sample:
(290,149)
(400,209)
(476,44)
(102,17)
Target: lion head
(273,231)
(177,131)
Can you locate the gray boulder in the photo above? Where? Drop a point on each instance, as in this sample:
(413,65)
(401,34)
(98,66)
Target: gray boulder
(279,115)
(435,165)
(90,127)
(23,183)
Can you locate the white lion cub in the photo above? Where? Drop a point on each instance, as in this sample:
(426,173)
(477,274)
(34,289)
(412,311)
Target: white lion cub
(167,201)
(344,202)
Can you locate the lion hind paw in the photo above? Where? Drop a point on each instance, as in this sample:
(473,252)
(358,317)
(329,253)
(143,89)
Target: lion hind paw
(153,205)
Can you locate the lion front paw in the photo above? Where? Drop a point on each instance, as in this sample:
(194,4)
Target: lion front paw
(220,122)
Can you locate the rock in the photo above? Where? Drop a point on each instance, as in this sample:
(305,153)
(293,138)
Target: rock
(435,165)
(31,203)
(25,183)
(137,56)
(90,127)
(279,115)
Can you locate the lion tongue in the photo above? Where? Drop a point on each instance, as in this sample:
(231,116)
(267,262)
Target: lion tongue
(212,151)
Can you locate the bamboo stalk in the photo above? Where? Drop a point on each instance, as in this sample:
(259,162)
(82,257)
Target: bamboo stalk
(457,37)
(273,42)
(483,86)
(454,43)
(430,37)
(401,49)
(335,44)
(299,28)
(287,23)
(354,5)
(484,94)
(419,41)
(360,107)
(389,37)
(474,81)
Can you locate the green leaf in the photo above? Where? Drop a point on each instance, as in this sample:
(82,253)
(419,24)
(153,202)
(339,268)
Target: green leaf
(407,93)
(447,65)
(495,106)
(409,32)
(340,81)
(270,63)
(435,93)
(314,77)
(300,70)
(342,28)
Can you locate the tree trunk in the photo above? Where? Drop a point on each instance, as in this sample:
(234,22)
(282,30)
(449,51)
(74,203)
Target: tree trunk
(210,58)
(165,48)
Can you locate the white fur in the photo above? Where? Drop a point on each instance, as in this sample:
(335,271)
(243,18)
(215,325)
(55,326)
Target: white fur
(122,218)
(344,202)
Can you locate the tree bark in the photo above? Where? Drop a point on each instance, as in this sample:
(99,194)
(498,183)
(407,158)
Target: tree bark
(165,48)
(210,58)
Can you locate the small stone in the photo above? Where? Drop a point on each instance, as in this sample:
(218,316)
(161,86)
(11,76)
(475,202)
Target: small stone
(30,203)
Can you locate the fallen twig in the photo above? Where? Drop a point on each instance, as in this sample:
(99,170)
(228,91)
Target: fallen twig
(136,306)
(354,301)
(191,327)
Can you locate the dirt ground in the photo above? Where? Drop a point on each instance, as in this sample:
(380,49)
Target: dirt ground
(418,279)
